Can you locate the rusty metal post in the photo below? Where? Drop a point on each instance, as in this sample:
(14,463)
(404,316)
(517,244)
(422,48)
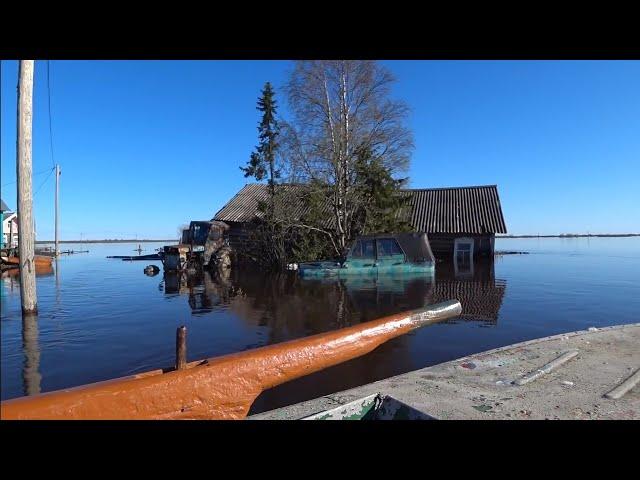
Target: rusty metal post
(181,348)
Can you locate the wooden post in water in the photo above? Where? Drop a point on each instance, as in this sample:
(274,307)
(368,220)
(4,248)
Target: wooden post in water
(26,240)
(181,348)
(31,377)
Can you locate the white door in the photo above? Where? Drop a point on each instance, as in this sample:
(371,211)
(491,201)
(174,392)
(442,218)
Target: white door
(463,255)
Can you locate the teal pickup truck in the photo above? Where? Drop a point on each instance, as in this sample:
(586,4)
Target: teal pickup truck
(391,254)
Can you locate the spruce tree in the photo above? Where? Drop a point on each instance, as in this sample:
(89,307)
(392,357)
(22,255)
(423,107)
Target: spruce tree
(269,237)
(262,162)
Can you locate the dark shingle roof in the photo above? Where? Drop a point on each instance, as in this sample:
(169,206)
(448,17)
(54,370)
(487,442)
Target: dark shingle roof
(3,206)
(433,210)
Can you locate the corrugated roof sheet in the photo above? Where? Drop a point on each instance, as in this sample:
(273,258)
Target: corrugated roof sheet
(243,207)
(457,210)
(433,210)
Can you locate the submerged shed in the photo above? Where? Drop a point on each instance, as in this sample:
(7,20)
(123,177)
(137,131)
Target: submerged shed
(458,219)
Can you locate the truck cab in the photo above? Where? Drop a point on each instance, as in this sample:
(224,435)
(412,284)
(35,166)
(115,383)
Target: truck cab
(198,246)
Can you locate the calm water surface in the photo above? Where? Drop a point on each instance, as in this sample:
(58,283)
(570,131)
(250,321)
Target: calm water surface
(101,318)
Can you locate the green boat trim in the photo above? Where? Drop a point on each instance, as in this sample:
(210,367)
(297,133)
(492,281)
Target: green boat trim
(391,254)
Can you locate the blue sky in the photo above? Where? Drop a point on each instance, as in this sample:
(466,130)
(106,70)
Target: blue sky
(145,146)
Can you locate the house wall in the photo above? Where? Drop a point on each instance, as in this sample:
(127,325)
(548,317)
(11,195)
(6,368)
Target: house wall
(10,225)
(442,244)
(239,236)
(5,240)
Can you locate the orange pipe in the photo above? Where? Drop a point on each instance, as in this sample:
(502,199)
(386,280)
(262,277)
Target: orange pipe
(221,387)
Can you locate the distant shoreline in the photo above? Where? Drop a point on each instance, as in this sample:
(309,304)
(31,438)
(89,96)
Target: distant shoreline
(571,235)
(566,235)
(106,241)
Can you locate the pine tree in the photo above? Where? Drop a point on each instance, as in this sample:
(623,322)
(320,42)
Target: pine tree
(269,238)
(263,160)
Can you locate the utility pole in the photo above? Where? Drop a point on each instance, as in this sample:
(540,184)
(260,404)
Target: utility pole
(26,240)
(57,189)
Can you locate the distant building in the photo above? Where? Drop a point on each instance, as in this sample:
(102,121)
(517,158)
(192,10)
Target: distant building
(9,226)
(460,221)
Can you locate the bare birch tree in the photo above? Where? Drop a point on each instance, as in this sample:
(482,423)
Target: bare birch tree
(339,108)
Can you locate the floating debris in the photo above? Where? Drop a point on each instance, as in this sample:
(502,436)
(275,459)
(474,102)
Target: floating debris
(482,408)
(151,270)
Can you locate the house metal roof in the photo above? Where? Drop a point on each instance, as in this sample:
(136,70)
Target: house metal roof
(433,210)
(457,210)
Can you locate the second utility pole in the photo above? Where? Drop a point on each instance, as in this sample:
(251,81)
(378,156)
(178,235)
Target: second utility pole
(57,189)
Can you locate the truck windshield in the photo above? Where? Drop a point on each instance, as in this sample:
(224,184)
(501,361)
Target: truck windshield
(388,247)
(199,232)
(363,249)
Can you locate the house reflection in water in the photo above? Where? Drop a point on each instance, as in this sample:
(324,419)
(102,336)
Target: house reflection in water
(475,285)
(293,307)
(284,306)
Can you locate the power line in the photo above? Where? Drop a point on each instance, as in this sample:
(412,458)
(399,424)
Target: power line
(49,101)
(44,181)
(35,174)
(50,134)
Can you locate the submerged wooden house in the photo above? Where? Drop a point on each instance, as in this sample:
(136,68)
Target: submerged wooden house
(459,221)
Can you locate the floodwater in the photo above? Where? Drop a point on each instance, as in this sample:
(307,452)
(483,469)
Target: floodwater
(103,318)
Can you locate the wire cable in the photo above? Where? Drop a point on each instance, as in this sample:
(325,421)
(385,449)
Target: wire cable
(44,181)
(35,174)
